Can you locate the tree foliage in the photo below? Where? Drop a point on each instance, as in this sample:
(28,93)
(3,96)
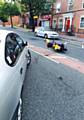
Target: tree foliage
(3,16)
(38,7)
(35,7)
(8,10)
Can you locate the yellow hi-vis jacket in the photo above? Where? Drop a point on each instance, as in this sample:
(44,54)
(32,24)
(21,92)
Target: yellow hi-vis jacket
(56,47)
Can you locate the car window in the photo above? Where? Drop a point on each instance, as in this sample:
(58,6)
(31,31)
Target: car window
(13,48)
(19,41)
(39,29)
(42,29)
(47,29)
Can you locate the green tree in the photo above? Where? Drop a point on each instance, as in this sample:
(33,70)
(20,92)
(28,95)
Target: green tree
(52,9)
(37,7)
(34,7)
(9,10)
(3,16)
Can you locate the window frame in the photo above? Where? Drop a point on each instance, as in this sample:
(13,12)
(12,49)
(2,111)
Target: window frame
(13,63)
(82,4)
(80,22)
(58,7)
(70,3)
(60,26)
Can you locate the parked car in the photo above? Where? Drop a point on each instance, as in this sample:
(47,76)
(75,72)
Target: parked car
(45,32)
(14,59)
(57,45)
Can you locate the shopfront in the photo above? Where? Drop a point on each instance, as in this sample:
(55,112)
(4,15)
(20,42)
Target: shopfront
(45,21)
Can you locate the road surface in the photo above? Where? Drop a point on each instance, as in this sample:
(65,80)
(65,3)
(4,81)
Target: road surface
(53,86)
(52,91)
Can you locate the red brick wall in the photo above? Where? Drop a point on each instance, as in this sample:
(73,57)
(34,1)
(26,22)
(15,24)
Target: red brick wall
(77,4)
(63,5)
(15,19)
(77,15)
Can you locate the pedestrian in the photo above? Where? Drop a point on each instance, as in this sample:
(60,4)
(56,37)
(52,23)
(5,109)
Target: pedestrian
(49,43)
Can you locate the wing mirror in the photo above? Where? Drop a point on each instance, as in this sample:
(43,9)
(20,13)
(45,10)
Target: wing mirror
(25,43)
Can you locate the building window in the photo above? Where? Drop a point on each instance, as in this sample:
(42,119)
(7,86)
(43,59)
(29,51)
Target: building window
(82,22)
(70,1)
(70,5)
(58,7)
(83,4)
(60,24)
(54,24)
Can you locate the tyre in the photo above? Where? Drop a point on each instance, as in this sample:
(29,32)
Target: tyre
(29,58)
(36,34)
(17,115)
(45,36)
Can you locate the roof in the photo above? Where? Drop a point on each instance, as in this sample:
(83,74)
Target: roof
(3,33)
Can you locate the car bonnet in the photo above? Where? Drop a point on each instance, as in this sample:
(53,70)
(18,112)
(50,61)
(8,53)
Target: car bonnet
(51,32)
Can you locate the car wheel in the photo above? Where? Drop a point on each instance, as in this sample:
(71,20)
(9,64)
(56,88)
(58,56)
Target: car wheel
(36,34)
(29,58)
(45,36)
(17,115)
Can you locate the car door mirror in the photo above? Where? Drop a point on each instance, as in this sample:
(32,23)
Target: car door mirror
(25,43)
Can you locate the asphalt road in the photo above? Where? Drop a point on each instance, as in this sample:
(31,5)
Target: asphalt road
(74,48)
(52,91)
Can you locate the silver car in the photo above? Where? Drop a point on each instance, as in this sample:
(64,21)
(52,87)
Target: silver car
(46,32)
(14,59)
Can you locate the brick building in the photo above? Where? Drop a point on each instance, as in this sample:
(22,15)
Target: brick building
(68,15)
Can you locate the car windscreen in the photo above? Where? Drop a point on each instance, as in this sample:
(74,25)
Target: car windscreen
(58,38)
(47,29)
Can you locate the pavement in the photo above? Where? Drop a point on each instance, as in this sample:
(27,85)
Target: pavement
(73,38)
(58,58)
